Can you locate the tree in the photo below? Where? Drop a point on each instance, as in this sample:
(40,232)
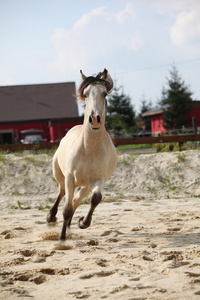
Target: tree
(143,108)
(121,114)
(175,102)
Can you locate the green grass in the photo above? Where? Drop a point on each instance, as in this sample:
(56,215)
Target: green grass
(137,146)
(49,152)
(181,157)
(162,147)
(30,159)
(3,157)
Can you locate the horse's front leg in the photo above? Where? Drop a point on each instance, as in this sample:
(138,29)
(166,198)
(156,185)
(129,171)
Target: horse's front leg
(82,193)
(68,210)
(85,222)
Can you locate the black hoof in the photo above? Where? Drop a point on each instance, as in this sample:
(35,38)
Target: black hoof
(81,225)
(51,220)
(62,240)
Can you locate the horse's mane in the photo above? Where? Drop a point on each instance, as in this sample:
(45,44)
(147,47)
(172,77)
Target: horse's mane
(92,80)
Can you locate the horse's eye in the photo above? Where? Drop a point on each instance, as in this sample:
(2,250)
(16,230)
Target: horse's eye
(84,95)
(105,94)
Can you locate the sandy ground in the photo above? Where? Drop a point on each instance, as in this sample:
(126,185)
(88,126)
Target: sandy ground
(143,243)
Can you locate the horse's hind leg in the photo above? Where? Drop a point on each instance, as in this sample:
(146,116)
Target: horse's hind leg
(95,200)
(51,217)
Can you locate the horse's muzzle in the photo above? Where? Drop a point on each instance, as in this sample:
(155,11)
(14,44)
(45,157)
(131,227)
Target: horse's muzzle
(95,121)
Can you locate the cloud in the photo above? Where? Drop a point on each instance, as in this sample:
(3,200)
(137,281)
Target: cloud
(87,18)
(75,46)
(128,11)
(136,42)
(95,36)
(185,31)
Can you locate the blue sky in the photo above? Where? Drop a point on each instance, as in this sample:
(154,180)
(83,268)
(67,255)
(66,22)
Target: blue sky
(43,41)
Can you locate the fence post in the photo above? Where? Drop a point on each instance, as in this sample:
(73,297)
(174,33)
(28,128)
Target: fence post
(194,123)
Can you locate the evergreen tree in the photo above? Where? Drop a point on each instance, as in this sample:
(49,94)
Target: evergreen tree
(175,102)
(121,112)
(143,108)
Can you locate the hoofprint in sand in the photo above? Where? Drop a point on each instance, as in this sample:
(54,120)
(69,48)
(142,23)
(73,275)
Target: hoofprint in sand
(143,243)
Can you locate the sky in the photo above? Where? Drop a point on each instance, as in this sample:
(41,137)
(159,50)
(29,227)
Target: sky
(138,41)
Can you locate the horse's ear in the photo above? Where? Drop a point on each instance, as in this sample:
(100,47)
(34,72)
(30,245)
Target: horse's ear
(82,75)
(108,80)
(104,74)
(109,83)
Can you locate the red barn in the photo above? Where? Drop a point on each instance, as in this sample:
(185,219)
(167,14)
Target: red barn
(48,109)
(157,122)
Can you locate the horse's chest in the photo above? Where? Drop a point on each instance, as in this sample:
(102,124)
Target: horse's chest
(89,171)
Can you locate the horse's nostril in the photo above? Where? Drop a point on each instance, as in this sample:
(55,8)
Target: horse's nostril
(98,119)
(90,119)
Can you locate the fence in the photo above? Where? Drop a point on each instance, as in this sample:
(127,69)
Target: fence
(180,139)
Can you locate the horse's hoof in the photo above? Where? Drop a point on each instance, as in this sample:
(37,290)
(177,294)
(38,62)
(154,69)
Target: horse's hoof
(51,221)
(81,225)
(62,240)
(51,224)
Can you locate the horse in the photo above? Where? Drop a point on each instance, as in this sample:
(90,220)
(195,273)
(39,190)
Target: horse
(86,156)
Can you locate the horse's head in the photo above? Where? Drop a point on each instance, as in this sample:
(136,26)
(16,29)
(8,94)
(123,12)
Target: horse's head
(93,91)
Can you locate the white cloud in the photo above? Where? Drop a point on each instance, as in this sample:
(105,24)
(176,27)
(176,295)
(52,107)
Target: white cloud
(186,29)
(136,42)
(75,46)
(68,50)
(185,32)
(94,36)
(128,11)
(86,18)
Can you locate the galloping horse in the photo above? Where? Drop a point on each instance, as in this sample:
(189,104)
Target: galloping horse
(86,156)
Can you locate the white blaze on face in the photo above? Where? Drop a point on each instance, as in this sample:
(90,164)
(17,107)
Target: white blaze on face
(95,104)
(96,99)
